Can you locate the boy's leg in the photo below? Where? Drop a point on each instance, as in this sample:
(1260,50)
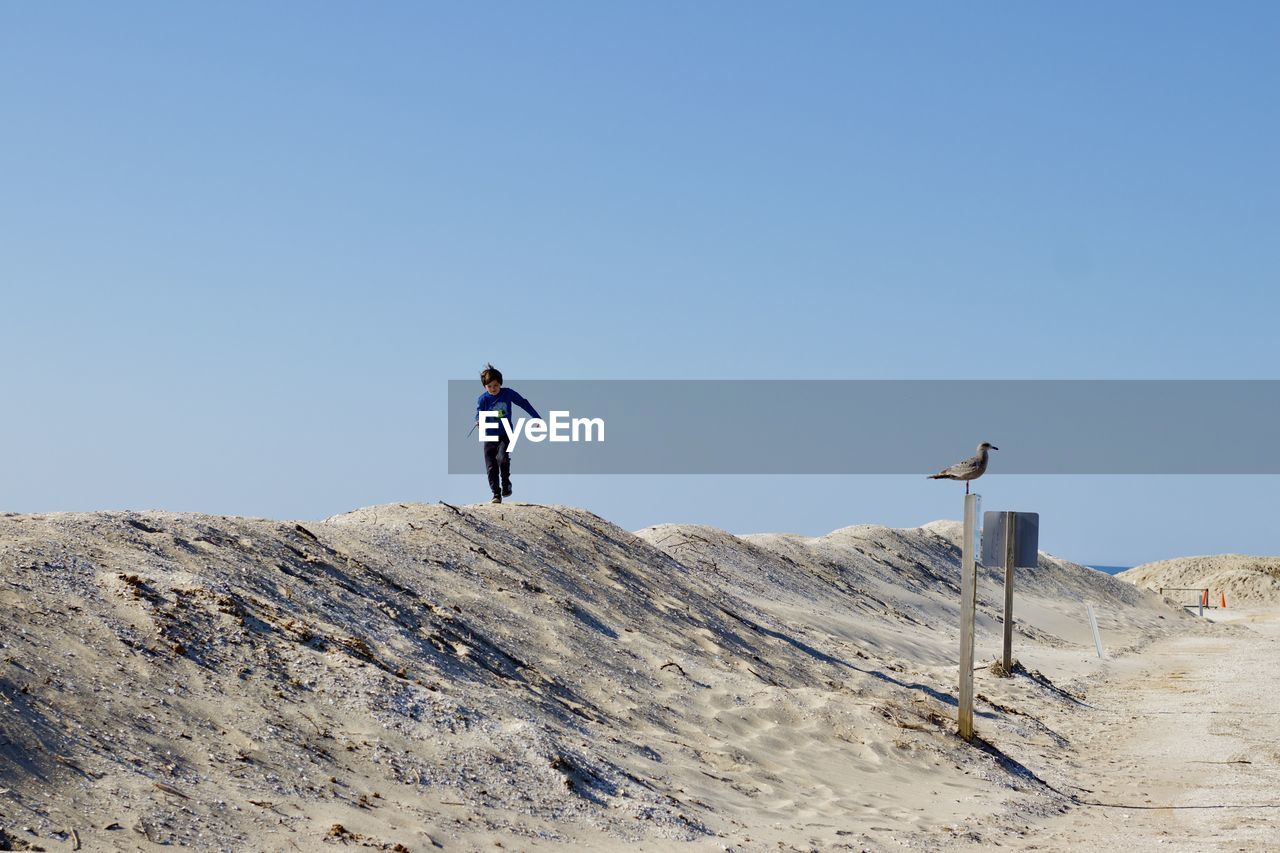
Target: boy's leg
(504,465)
(491,466)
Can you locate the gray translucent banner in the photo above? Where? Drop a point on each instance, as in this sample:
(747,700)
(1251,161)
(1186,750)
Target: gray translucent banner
(717,426)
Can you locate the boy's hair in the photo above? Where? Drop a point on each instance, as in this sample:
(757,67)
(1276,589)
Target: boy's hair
(490,374)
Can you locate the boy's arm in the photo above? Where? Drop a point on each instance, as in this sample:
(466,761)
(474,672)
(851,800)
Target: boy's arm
(525,404)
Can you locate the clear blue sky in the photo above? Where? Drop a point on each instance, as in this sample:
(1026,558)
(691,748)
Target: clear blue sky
(244,245)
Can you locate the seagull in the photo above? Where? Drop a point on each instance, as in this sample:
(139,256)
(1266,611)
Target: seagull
(969,469)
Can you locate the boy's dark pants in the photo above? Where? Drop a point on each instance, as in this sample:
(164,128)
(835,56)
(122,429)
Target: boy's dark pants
(497,460)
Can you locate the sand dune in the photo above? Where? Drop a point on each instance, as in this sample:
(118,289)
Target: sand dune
(1245,580)
(433,677)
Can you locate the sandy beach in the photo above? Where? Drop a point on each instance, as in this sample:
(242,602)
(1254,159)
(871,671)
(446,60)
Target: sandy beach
(1178,749)
(520,677)
(494,427)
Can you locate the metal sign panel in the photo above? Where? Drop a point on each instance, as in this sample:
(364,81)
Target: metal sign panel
(1026,539)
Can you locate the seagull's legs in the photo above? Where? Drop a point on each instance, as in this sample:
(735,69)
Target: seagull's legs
(966,487)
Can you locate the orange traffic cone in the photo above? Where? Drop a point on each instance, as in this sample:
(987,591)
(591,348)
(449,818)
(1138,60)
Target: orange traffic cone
(1204,598)
(1223,605)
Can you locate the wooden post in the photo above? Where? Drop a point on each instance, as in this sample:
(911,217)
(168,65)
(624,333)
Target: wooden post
(968,607)
(1010,555)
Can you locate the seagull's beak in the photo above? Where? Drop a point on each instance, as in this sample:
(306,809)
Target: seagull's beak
(993,447)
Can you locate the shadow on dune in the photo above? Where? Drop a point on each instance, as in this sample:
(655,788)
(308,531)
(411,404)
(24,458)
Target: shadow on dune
(28,740)
(817,654)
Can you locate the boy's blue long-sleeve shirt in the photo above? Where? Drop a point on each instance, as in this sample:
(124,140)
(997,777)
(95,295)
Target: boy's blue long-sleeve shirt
(502,402)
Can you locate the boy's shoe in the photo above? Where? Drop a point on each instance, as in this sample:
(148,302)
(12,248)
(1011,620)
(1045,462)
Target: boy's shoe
(496,499)
(506,490)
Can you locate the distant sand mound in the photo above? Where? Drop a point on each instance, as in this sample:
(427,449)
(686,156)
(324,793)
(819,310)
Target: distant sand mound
(1245,579)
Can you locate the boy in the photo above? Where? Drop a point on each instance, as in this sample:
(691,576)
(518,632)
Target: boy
(497,459)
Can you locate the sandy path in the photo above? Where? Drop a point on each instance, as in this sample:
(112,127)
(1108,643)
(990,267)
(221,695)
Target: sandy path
(1181,749)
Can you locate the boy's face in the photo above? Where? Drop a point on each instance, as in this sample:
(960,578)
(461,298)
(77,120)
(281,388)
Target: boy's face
(493,387)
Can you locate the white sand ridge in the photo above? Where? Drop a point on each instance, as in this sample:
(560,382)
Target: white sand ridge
(1245,580)
(433,676)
